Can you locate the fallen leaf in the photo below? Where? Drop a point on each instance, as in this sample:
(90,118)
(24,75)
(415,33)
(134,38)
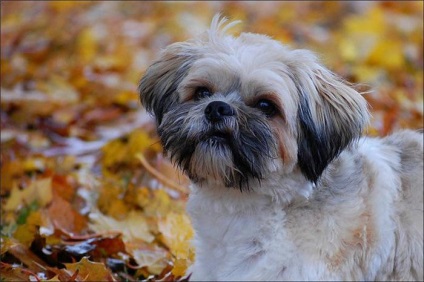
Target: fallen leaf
(87,45)
(177,234)
(89,271)
(154,258)
(124,150)
(39,190)
(109,246)
(24,254)
(25,232)
(133,227)
(70,112)
(64,217)
(387,54)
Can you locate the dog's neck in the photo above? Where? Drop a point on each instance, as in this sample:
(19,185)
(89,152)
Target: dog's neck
(281,190)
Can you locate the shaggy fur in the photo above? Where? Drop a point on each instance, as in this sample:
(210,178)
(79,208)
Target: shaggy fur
(284,187)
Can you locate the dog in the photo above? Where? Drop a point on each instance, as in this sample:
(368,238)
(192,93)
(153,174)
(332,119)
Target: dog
(283,185)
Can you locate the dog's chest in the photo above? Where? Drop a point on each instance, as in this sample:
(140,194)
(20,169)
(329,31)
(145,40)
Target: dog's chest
(254,244)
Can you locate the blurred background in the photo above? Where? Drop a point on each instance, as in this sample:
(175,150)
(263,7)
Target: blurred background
(72,124)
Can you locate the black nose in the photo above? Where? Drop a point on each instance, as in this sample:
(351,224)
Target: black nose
(217,110)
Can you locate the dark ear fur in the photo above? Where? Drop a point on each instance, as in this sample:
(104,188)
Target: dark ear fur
(319,144)
(331,115)
(158,85)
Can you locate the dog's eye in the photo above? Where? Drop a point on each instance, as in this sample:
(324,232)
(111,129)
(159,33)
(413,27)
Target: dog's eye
(267,107)
(202,92)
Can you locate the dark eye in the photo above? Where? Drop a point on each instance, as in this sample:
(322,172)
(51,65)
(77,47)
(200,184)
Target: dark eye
(202,92)
(267,107)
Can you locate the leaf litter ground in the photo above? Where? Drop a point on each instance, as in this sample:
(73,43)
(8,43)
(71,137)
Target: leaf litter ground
(86,192)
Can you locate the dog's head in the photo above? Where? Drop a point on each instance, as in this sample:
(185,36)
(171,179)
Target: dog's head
(235,109)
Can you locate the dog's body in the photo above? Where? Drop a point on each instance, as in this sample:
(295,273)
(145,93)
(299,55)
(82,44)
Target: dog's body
(284,188)
(363,225)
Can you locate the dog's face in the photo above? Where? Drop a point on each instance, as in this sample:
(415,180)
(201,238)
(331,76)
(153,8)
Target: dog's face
(234,110)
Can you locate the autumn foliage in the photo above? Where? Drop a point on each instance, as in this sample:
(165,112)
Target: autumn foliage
(86,194)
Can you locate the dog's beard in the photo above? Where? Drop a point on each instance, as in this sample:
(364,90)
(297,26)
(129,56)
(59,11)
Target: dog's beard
(233,152)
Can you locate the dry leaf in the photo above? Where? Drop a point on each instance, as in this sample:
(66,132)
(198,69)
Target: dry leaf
(154,258)
(64,217)
(133,227)
(72,124)
(177,234)
(89,271)
(38,190)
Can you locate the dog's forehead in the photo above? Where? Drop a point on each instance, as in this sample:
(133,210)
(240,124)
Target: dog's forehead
(246,53)
(248,64)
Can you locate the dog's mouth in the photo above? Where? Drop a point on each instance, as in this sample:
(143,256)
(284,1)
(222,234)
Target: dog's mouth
(218,137)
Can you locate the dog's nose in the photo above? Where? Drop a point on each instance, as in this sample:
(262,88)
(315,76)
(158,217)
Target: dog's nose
(217,110)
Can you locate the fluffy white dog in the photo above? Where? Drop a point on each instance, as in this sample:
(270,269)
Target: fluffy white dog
(284,187)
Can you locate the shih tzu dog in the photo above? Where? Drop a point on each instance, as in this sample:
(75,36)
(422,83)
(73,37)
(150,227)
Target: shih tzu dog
(284,187)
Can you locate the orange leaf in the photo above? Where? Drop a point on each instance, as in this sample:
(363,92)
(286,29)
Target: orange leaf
(65,217)
(62,187)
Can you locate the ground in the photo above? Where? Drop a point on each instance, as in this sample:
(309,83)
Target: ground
(86,192)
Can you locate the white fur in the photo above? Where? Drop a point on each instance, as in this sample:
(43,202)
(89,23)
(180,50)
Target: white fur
(372,231)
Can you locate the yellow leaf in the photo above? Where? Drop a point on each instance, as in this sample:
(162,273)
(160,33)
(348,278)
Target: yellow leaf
(176,233)
(387,54)
(87,45)
(9,170)
(373,22)
(158,204)
(62,6)
(125,97)
(32,164)
(118,61)
(110,201)
(113,152)
(123,150)
(6,243)
(348,49)
(25,232)
(143,196)
(118,209)
(154,258)
(139,141)
(39,190)
(360,34)
(133,227)
(366,73)
(89,271)
(180,266)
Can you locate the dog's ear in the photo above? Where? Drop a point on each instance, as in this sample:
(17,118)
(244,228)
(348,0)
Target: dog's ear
(331,114)
(158,85)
